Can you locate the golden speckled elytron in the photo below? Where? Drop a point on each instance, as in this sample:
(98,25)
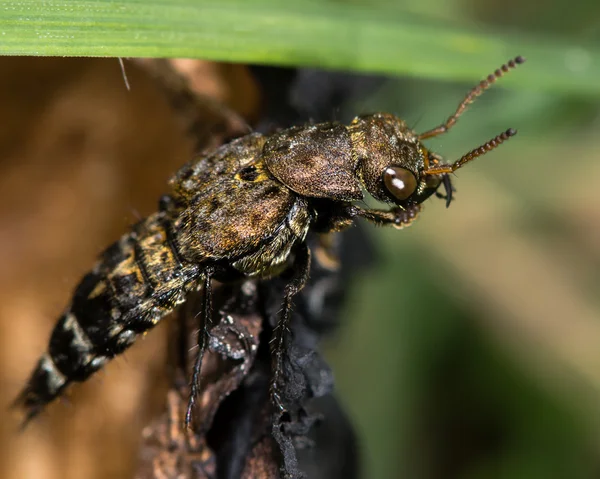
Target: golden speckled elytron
(244,211)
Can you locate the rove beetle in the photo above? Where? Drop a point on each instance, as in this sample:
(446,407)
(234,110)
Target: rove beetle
(241,211)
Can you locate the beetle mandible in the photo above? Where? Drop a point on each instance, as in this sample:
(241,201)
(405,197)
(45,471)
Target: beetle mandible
(244,210)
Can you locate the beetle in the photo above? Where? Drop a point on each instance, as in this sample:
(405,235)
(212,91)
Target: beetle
(243,211)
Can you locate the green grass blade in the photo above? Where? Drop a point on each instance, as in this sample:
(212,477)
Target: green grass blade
(306,33)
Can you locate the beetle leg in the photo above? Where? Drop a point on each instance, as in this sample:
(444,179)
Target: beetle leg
(300,269)
(397,217)
(202,342)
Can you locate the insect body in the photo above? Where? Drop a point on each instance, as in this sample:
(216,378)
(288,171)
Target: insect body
(244,211)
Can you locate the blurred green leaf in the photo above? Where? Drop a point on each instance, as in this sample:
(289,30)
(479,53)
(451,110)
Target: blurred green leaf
(328,34)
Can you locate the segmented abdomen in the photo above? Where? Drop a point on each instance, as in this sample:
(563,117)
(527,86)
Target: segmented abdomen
(137,281)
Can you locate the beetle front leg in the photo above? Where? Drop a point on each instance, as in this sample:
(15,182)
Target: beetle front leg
(397,217)
(300,269)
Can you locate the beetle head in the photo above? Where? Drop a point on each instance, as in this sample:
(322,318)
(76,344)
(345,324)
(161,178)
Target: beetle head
(393,164)
(396,168)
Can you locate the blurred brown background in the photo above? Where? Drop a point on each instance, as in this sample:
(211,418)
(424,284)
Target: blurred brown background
(82,158)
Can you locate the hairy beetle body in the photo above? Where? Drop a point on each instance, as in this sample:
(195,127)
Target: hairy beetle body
(243,210)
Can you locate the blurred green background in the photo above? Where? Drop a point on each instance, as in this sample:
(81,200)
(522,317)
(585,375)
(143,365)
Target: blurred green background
(472,349)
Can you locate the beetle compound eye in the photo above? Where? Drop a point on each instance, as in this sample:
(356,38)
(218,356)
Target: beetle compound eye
(400,182)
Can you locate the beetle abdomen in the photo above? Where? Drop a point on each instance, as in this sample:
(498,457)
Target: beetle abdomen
(137,281)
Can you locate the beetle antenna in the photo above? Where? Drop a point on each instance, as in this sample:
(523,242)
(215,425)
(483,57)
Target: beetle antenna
(485,148)
(495,142)
(471,96)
